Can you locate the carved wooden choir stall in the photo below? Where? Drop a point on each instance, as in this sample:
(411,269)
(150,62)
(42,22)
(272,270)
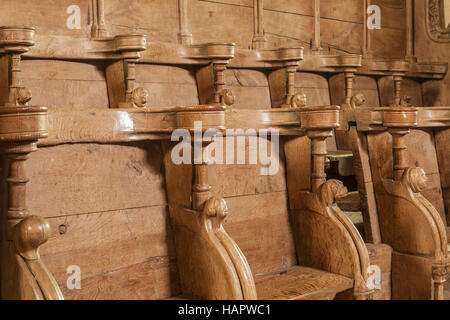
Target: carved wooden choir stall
(349,200)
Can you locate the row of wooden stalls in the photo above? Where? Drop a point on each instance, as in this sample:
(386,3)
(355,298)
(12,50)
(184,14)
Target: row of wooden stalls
(363,173)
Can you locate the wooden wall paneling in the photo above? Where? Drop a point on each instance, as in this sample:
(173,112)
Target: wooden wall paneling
(168,85)
(49,17)
(236,19)
(159,20)
(66,85)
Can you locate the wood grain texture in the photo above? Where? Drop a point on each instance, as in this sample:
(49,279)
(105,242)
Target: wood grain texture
(300,283)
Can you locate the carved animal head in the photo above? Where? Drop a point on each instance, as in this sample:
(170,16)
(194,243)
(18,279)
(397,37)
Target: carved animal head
(299,100)
(216,207)
(23,96)
(405,101)
(139,97)
(227,97)
(358,100)
(331,190)
(416,179)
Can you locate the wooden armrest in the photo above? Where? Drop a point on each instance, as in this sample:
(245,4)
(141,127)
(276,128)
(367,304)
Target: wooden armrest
(301,283)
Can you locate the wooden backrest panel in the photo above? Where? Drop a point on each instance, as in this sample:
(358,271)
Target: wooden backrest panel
(107,208)
(258,218)
(168,85)
(66,84)
(157,19)
(251,88)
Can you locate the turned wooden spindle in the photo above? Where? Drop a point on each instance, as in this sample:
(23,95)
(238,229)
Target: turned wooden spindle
(201,188)
(399,121)
(349,74)
(319,122)
(290,70)
(130,67)
(319,153)
(219,67)
(17,154)
(399,151)
(130,47)
(398,78)
(259,39)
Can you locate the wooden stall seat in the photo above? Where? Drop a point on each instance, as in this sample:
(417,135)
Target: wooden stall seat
(420,254)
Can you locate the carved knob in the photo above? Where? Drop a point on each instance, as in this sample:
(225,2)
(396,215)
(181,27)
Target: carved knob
(139,97)
(416,179)
(358,100)
(331,190)
(29,235)
(23,96)
(406,101)
(299,100)
(216,207)
(227,97)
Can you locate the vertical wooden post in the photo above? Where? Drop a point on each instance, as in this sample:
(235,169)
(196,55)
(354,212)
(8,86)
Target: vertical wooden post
(290,70)
(17,154)
(398,78)
(317,44)
(349,74)
(98,19)
(319,153)
(201,188)
(366,32)
(130,78)
(185,36)
(101,19)
(219,67)
(399,151)
(410,30)
(399,120)
(258,25)
(319,122)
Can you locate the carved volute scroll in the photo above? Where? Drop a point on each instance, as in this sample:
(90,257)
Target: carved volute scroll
(21,126)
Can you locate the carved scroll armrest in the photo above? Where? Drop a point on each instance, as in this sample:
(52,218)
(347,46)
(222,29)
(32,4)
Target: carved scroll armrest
(29,235)
(211,265)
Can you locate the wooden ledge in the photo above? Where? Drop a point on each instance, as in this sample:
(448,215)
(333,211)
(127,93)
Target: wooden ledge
(301,283)
(134,124)
(372,119)
(23,123)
